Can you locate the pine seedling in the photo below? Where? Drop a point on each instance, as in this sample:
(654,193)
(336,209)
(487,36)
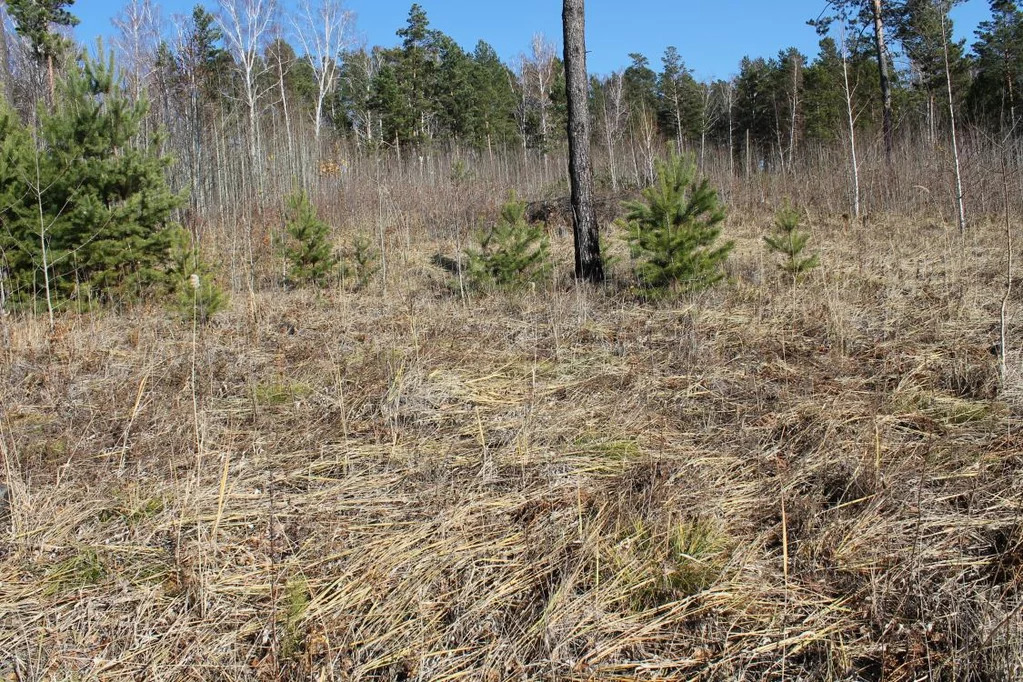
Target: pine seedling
(311,257)
(510,254)
(790,242)
(364,260)
(196,295)
(673,231)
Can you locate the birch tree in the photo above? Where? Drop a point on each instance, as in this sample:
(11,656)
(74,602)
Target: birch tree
(851,121)
(322,28)
(870,13)
(616,114)
(540,68)
(960,210)
(246,26)
(138,36)
(358,72)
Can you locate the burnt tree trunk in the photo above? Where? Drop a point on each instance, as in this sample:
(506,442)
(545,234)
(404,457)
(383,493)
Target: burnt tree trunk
(588,264)
(886,88)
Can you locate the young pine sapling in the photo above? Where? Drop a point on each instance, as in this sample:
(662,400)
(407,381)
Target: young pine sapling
(790,242)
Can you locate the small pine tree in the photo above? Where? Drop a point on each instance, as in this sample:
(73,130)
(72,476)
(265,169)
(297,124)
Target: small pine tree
(673,230)
(790,242)
(309,251)
(88,194)
(196,294)
(511,253)
(364,260)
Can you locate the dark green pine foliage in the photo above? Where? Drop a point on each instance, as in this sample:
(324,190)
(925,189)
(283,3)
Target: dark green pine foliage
(824,95)
(453,93)
(681,104)
(397,118)
(106,195)
(674,230)
(364,260)
(995,92)
(494,99)
(197,296)
(34,20)
(406,92)
(310,254)
(510,254)
(925,31)
(17,266)
(790,242)
(640,82)
(105,206)
(754,104)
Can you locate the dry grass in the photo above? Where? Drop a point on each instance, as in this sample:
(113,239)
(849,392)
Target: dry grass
(766,482)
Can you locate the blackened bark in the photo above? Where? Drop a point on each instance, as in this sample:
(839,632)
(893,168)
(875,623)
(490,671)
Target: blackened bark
(588,264)
(886,88)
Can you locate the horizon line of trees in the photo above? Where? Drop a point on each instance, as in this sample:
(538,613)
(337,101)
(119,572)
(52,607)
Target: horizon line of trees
(239,62)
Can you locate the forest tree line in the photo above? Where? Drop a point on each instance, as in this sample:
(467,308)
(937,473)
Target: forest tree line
(240,65)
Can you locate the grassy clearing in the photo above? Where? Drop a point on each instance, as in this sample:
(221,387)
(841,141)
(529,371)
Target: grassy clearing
(550,484)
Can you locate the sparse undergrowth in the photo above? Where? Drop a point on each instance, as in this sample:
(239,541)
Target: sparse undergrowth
(559,486)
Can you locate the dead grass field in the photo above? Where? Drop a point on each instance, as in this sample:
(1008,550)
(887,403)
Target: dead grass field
(765,482)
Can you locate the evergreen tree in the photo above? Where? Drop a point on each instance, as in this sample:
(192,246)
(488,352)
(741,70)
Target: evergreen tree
(398,121)
(415,68)
(673,231)
(925,29)
(787,89)
(202,59)
(875,16)
(310,254)
(34,20)
(680,100)
(195,84)
(823,95)
(995,92)
(790,243)
(640,83)
(105,227)
(511,253)
(197,297)
(755,99)
(494,99)
(453,96)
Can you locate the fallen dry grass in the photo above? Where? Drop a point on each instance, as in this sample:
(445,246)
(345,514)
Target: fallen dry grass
(820,482)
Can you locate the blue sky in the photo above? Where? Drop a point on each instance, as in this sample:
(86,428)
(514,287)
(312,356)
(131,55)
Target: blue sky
(712,36)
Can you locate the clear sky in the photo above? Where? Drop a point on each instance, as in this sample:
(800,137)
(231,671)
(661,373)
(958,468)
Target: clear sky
(712,36)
